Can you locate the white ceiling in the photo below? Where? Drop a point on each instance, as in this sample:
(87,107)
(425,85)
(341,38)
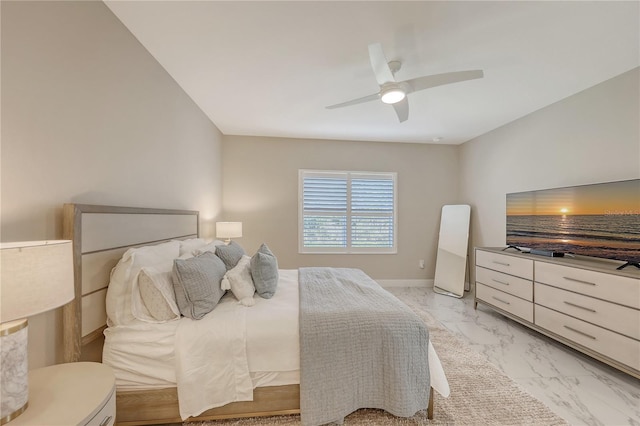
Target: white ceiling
(269,68)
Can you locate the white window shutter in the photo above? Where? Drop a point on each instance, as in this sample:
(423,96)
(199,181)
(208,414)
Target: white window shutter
(347,212)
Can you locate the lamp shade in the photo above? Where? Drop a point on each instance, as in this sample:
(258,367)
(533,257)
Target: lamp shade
(228,229)
(35,277)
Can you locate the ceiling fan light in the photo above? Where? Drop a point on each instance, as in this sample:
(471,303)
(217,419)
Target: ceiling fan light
(393,96)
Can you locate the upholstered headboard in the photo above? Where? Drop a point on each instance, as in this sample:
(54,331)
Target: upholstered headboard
(101,235)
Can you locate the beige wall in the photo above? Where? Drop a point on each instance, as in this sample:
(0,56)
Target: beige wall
(260,187)
(88,116)
(593,136)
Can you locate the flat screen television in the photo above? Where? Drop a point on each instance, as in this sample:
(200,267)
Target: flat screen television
(599,220)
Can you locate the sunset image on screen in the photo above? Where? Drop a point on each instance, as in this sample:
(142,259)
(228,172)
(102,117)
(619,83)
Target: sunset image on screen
(578,200)
(600,220)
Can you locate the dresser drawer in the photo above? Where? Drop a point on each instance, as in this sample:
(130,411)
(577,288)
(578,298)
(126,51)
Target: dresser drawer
(608,343)
(504,263)
(614,288)
(620,319)
(505,282)
(507,302)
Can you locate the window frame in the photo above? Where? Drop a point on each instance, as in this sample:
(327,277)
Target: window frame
(349,175)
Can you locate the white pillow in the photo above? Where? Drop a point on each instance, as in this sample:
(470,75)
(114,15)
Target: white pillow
(124,274)
(188,246)
(155,301)
(238,280)
(209,247)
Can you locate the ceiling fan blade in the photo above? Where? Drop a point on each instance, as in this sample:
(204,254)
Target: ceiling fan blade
(368,98)
(402,109)
(429,81)
(379,64)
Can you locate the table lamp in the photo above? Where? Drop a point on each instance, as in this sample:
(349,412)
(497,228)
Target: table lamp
(228,230)
(35,277)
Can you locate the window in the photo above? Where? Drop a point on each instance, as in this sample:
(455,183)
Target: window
(347,212)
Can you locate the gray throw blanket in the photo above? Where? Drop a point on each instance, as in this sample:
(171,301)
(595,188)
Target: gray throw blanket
(360,347)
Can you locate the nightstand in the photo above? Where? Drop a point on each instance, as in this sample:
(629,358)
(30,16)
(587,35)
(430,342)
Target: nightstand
(77,393)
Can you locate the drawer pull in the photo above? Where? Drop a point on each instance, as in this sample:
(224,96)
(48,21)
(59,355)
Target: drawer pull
(501,263)
(106,421)
(581,307)
(579,281)
(500,300)
(579,332)
(500,282)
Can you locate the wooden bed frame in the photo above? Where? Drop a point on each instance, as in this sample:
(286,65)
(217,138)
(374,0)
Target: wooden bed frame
(101,235)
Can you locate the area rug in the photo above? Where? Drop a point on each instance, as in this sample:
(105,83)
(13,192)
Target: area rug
(480,393)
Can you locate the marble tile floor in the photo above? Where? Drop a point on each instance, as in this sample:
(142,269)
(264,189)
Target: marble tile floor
(581,390)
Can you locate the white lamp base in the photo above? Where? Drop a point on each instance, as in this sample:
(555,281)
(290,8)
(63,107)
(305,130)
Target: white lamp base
(14,380)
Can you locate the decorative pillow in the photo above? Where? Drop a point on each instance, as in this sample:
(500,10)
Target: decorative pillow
(189,246)
(239,281)
(208,247)
(230,254)
(264,271)
(196,282)
(183,256)
(125,273)
(155,300)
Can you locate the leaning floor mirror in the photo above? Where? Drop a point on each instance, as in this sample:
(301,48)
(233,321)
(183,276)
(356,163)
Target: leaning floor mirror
(451,258)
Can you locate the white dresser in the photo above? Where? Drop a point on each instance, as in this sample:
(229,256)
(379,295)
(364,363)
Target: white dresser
(582,302)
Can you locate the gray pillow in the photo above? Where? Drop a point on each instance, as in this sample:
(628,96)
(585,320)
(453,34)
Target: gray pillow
(196,282)
(264,271)
(230,254)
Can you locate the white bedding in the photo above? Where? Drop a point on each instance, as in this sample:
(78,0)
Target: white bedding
(148,356)
(143,354)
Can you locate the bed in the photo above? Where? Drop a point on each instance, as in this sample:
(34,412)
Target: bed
(101,235)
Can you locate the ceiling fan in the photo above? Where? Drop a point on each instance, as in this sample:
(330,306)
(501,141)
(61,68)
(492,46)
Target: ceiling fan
(395,92)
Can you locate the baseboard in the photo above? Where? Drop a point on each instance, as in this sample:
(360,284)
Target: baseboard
(405,283)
